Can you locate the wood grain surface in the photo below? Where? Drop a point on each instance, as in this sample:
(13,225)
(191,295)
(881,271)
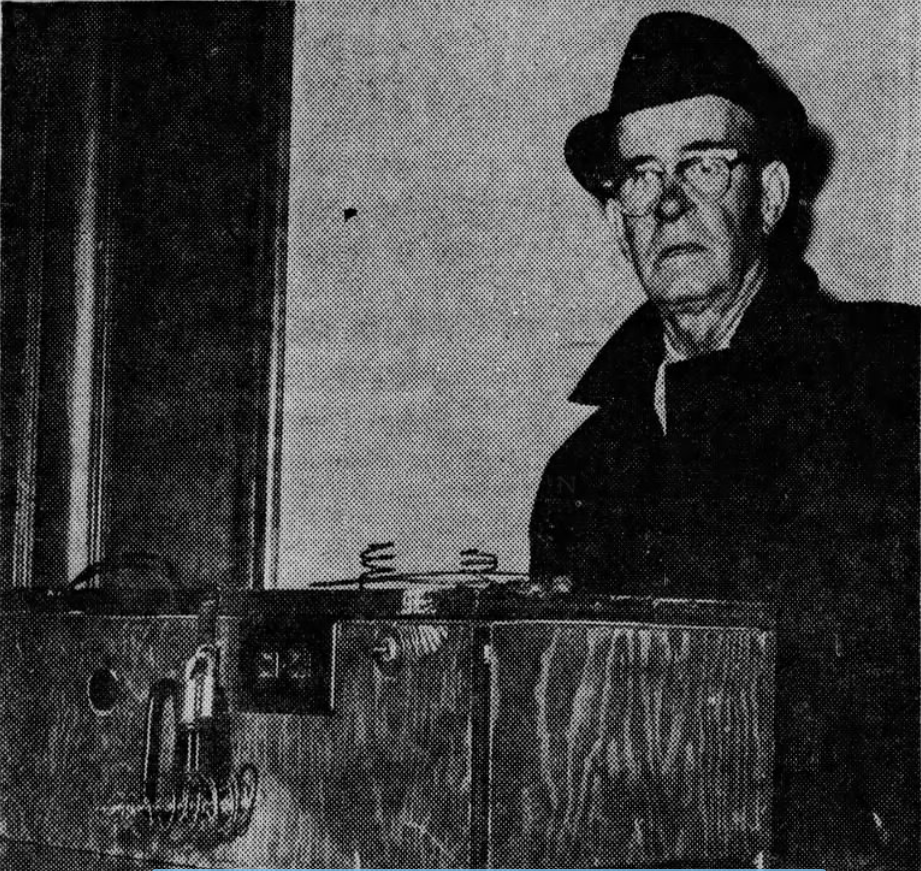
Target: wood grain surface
(618,744)
(35,857)
(624,746)
(63,768)
(385,780)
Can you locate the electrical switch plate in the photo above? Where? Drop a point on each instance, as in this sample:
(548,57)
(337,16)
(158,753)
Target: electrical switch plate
(287,665)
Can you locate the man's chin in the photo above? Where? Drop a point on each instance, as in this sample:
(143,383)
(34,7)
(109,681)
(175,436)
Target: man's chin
(682,299)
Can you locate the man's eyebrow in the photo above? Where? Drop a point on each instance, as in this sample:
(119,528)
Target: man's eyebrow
(640,158)
(697,145)
(712,144)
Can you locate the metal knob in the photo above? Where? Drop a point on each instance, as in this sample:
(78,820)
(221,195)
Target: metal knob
(386,651)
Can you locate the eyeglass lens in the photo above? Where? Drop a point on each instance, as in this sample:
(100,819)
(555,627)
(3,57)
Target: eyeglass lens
(638,189)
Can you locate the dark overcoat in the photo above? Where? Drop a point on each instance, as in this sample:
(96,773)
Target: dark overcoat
(789,474)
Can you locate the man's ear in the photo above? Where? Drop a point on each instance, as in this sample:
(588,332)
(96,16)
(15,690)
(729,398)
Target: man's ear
(615,218)
(775,194)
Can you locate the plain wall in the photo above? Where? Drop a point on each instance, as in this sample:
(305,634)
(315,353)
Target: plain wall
(432,337)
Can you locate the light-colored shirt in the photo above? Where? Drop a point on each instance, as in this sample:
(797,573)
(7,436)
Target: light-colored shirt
(718,343)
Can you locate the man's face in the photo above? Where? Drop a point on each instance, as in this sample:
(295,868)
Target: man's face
(690,251)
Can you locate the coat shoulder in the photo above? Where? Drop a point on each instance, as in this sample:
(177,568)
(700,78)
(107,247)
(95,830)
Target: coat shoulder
(878,335)
(879,353)
(889,335)
(581,445)
(880,321)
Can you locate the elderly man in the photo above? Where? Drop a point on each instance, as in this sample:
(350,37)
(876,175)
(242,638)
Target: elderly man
(754,438)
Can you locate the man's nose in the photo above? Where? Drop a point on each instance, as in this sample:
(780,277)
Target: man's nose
(673,202)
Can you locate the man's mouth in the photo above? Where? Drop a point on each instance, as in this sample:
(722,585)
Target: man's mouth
(679,250)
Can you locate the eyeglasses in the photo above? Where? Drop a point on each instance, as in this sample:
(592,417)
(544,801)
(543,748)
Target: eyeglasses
(707,175)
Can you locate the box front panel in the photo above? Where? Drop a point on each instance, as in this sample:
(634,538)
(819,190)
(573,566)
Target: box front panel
(381,781)
(626,745)
(69,772)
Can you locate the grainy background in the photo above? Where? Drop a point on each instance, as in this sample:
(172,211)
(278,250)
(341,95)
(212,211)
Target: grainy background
(433,335)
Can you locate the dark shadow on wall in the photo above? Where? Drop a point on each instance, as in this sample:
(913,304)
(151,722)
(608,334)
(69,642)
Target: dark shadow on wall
(818,157)
(810,161)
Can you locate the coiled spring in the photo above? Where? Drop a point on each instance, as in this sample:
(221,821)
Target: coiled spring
(475,560)
(377,561)
(202,809)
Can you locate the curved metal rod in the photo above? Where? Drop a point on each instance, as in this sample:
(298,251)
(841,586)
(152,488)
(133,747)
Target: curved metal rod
(247,782)
(162,692)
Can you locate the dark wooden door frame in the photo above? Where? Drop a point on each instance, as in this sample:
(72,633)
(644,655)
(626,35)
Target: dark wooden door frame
(93,188)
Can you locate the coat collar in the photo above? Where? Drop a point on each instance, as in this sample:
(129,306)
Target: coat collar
(626,366)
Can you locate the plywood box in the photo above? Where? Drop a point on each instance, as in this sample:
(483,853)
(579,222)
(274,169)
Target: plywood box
(467,726)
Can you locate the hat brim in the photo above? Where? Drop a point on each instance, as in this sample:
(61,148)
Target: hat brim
(591,150)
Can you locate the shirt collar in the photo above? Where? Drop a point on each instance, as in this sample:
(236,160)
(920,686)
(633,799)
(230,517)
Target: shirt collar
(726,329)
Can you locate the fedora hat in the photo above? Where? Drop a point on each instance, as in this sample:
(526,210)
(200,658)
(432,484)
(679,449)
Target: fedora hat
(674,56)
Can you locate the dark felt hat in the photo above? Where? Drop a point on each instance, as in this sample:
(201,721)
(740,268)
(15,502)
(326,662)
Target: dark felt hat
(673,56)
